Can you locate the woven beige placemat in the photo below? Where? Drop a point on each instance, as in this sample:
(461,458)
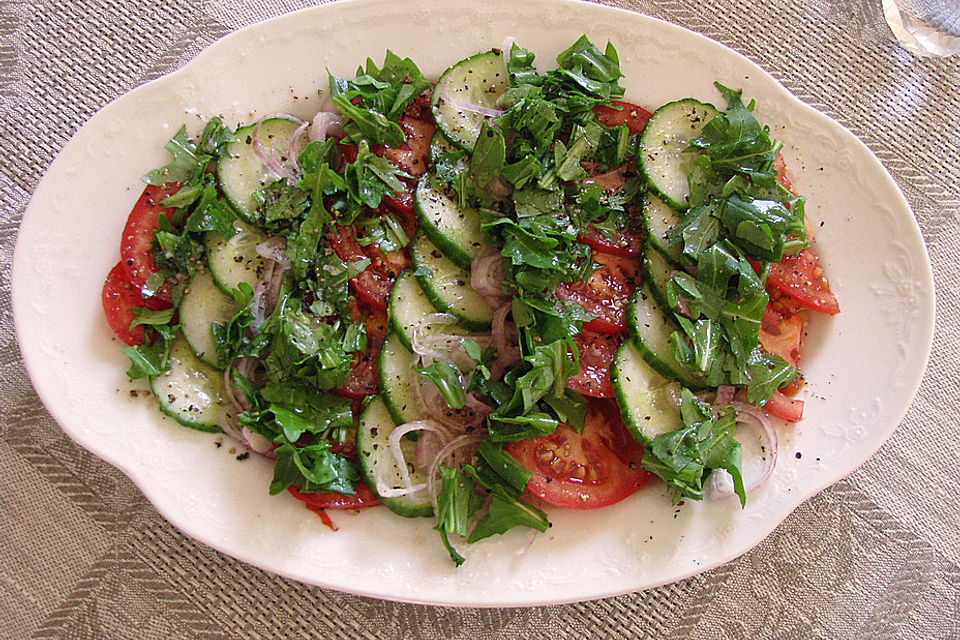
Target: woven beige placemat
(83,555)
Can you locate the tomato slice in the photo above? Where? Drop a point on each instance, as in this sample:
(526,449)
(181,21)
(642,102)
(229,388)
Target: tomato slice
(363,375)
(374,284)
(784,407)
(137,240)
(801,278)
(623,113)
(607,292)
(361,498)
(413,155)
(119,298)
(619,243)
(594,469)
(780,166)
(783,338)
(596,354)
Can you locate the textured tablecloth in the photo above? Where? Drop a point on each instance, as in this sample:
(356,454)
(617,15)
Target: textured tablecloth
(83,555)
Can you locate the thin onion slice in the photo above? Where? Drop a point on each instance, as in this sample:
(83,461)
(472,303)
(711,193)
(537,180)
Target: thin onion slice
(269,157)
(325,124)
(457,443)
(470,106)
(393,441)
(273,248)
(759,452)
(487,275)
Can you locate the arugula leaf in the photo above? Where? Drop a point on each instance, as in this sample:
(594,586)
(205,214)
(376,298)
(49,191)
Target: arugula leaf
(505,513)
(191,160)
(370,178)
(447,380)
(683,458)
(456,504)
(381,95)
(315,468)
(150,359)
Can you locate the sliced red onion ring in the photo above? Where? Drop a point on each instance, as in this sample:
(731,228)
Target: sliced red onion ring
(227,422)
(758,440)
(270,158)
(446,347)
(273,248)
(393,441)
(257,443)
(725,395)
(469,106)
(236,398)
(292,150)
(324,125)
(508,352)
(477,404)
(457,443)
(487,275)
(431,404)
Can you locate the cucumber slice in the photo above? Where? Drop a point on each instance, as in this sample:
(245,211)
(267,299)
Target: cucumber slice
(378,463)
(447,286)
(242,173)
(439,145)
(661,157)
(191,392)
(396,376)
(651,330)
(235,260)
(455,230)
(407,308)
(643,395)
(202,305)
(478,80)
(656,273)
(658,219)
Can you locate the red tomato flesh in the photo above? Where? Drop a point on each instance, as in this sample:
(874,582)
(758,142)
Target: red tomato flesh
(801,278)
(119,298)
(784,407)
(374,284)
(363,375)
(361,499)
(606,293)
(619,243)
(594,469)
(623,113)
(137,240)
(780,166)
(596,354)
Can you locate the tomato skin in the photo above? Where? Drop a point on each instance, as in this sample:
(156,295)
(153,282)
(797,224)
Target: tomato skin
(784,407)
(119,298)
(783,339)
(361,499)
(780,166)
(596,354)
(374,284)
(137,239)
(622,243)
(606,294)
(363,374)
(591,470)
(634,117)
(801,278)
(413,155)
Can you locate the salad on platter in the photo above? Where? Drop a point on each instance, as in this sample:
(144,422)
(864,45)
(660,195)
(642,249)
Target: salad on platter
(471,298)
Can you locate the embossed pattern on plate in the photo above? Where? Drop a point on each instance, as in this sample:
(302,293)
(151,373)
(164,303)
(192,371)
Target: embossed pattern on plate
(863,365)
